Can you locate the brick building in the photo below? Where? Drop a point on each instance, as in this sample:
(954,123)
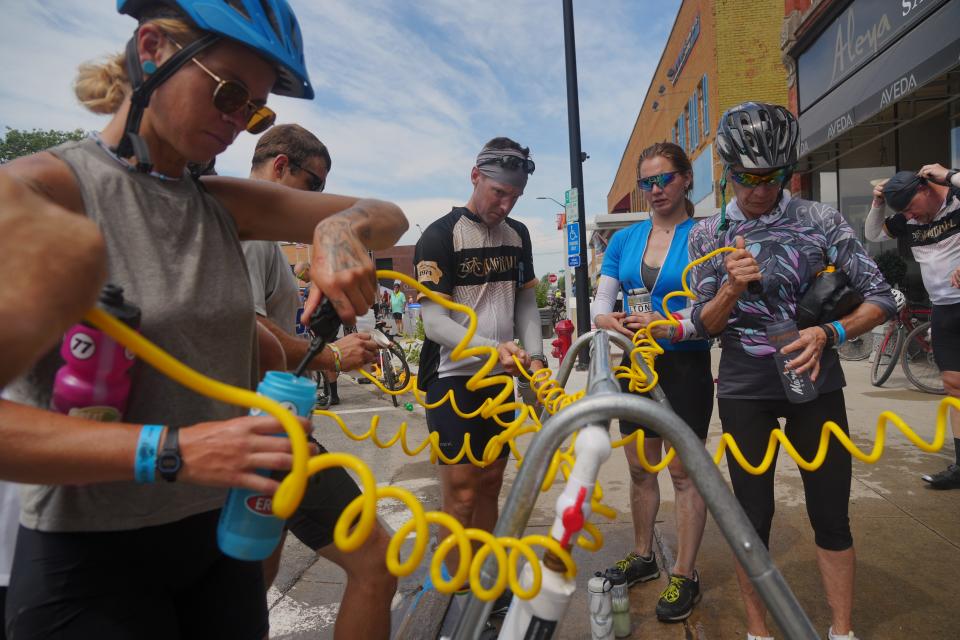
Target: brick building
(876,86)
(719,53)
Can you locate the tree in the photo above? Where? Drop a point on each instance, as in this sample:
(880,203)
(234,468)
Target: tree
(22,143)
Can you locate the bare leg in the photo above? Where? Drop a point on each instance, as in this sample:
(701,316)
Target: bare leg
(644,493)
(466,493)
(837,570)
(753,604)
(691,518)
(365,606)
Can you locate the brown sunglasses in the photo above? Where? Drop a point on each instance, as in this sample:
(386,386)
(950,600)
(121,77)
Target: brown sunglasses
(230,96)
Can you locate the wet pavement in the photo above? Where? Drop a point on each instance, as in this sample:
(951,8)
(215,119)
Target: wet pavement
(907,537)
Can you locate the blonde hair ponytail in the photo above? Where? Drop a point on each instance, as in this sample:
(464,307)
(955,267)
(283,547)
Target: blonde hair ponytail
(102,86)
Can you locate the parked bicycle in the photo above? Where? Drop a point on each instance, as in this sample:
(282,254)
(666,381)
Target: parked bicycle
(390,368)
(906,339)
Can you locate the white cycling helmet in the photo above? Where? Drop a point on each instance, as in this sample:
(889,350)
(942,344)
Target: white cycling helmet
(899,298)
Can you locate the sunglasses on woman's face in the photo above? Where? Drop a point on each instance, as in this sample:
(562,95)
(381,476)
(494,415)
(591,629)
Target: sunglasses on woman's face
(661,180)
(316,182)
(511,163)
(230,97)
(753,180)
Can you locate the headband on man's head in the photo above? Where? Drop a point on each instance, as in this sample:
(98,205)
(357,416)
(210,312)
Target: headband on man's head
(507,166)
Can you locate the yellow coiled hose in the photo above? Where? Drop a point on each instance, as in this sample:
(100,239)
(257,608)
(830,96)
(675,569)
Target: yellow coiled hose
(548,392)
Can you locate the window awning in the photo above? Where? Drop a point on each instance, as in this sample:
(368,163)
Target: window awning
(929,50)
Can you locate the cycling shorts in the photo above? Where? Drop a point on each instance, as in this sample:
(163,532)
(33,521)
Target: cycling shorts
(687,381)
(451,427)
(945,335)
(155,583)
(327,495)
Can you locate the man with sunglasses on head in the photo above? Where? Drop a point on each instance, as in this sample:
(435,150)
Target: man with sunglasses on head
(927,206)
(291,156)
(782,244)
(477,256)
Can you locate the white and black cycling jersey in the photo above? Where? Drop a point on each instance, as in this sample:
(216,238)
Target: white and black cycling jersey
(935,247)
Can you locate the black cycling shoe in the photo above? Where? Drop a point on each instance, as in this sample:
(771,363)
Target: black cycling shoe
(636,568)
(502,604)
(949,478)
(677,600)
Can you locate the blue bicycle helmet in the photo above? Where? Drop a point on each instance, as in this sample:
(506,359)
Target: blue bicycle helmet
(268,27)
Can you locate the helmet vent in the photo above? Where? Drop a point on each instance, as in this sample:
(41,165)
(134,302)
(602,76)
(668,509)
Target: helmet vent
(272,17)
(237,5)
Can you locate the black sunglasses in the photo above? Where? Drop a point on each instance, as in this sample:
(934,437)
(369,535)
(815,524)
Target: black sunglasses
(317,183)
(511,163)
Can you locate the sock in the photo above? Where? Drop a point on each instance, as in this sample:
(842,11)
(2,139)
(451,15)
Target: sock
(750,636)
(831,635)
(333,390)
(956,446)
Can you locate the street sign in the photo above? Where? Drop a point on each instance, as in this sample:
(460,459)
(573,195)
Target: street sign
(573,239)
(552,278)
(572,197)
(573,261)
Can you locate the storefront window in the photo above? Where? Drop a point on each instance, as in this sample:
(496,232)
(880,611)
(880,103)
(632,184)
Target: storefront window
(856,194)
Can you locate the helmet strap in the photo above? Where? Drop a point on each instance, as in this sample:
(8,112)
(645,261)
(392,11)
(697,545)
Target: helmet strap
(724,223)
(131,144)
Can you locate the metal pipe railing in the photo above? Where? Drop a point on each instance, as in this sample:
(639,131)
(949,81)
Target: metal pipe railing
(603,403)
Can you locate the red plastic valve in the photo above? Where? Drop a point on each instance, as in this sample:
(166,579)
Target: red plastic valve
(572,518)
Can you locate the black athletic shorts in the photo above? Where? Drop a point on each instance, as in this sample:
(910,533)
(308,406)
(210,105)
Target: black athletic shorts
(167,582)
(687,381)
(327,494)
(397,316)
(451,427)
(945,334)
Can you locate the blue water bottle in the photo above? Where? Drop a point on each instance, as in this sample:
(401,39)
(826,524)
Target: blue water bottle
(248,530)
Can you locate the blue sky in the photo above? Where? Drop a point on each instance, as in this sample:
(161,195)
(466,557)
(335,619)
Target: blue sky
(407,92)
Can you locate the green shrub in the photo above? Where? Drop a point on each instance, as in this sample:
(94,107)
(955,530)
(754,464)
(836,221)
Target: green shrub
(542,287)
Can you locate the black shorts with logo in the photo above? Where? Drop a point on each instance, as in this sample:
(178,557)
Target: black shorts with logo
(452,427)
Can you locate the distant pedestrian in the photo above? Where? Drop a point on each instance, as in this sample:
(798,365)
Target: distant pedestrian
(398,304)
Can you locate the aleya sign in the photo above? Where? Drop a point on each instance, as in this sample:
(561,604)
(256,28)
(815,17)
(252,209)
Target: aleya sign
(862,31)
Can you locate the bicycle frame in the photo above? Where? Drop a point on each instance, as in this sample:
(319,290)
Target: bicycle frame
(604,402)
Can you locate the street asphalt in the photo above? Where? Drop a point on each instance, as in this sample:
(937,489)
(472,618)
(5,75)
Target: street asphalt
(907,537)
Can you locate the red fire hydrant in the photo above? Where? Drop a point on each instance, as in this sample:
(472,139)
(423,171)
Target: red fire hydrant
(564,330)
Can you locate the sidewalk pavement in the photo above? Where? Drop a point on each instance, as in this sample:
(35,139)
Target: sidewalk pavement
(907,537)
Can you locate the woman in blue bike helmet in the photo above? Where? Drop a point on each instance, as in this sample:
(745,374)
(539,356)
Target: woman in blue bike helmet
(130,560)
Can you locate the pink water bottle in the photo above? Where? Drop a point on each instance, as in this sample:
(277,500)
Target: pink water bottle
(94,382)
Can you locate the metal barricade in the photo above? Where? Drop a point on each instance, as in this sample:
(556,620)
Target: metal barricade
(603,402)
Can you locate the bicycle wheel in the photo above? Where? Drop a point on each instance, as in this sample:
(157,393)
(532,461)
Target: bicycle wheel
(918,363)
(398,363)
(858,348)
(389,376)
(885,354)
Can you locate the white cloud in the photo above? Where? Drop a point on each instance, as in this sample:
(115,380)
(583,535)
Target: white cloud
(406,92)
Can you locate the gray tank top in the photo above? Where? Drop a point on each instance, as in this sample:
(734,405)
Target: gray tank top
(174,249)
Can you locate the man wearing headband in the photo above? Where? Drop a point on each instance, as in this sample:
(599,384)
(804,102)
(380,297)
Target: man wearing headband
(927,206)
(477,256)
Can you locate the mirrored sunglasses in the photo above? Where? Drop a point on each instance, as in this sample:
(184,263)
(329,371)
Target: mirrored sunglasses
(511,163)
(753,180)
(661,180)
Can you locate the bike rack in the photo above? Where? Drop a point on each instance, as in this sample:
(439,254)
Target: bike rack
(603,402)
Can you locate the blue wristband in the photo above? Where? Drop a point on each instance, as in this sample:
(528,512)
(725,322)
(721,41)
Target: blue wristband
(145,466)
(841,333)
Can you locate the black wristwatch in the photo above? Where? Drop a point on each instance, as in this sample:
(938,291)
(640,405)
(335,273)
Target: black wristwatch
(828,330)
(950,175)
(169,461)
(542,358)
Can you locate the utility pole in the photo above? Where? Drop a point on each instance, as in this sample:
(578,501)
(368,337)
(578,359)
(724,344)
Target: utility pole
(576,176)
